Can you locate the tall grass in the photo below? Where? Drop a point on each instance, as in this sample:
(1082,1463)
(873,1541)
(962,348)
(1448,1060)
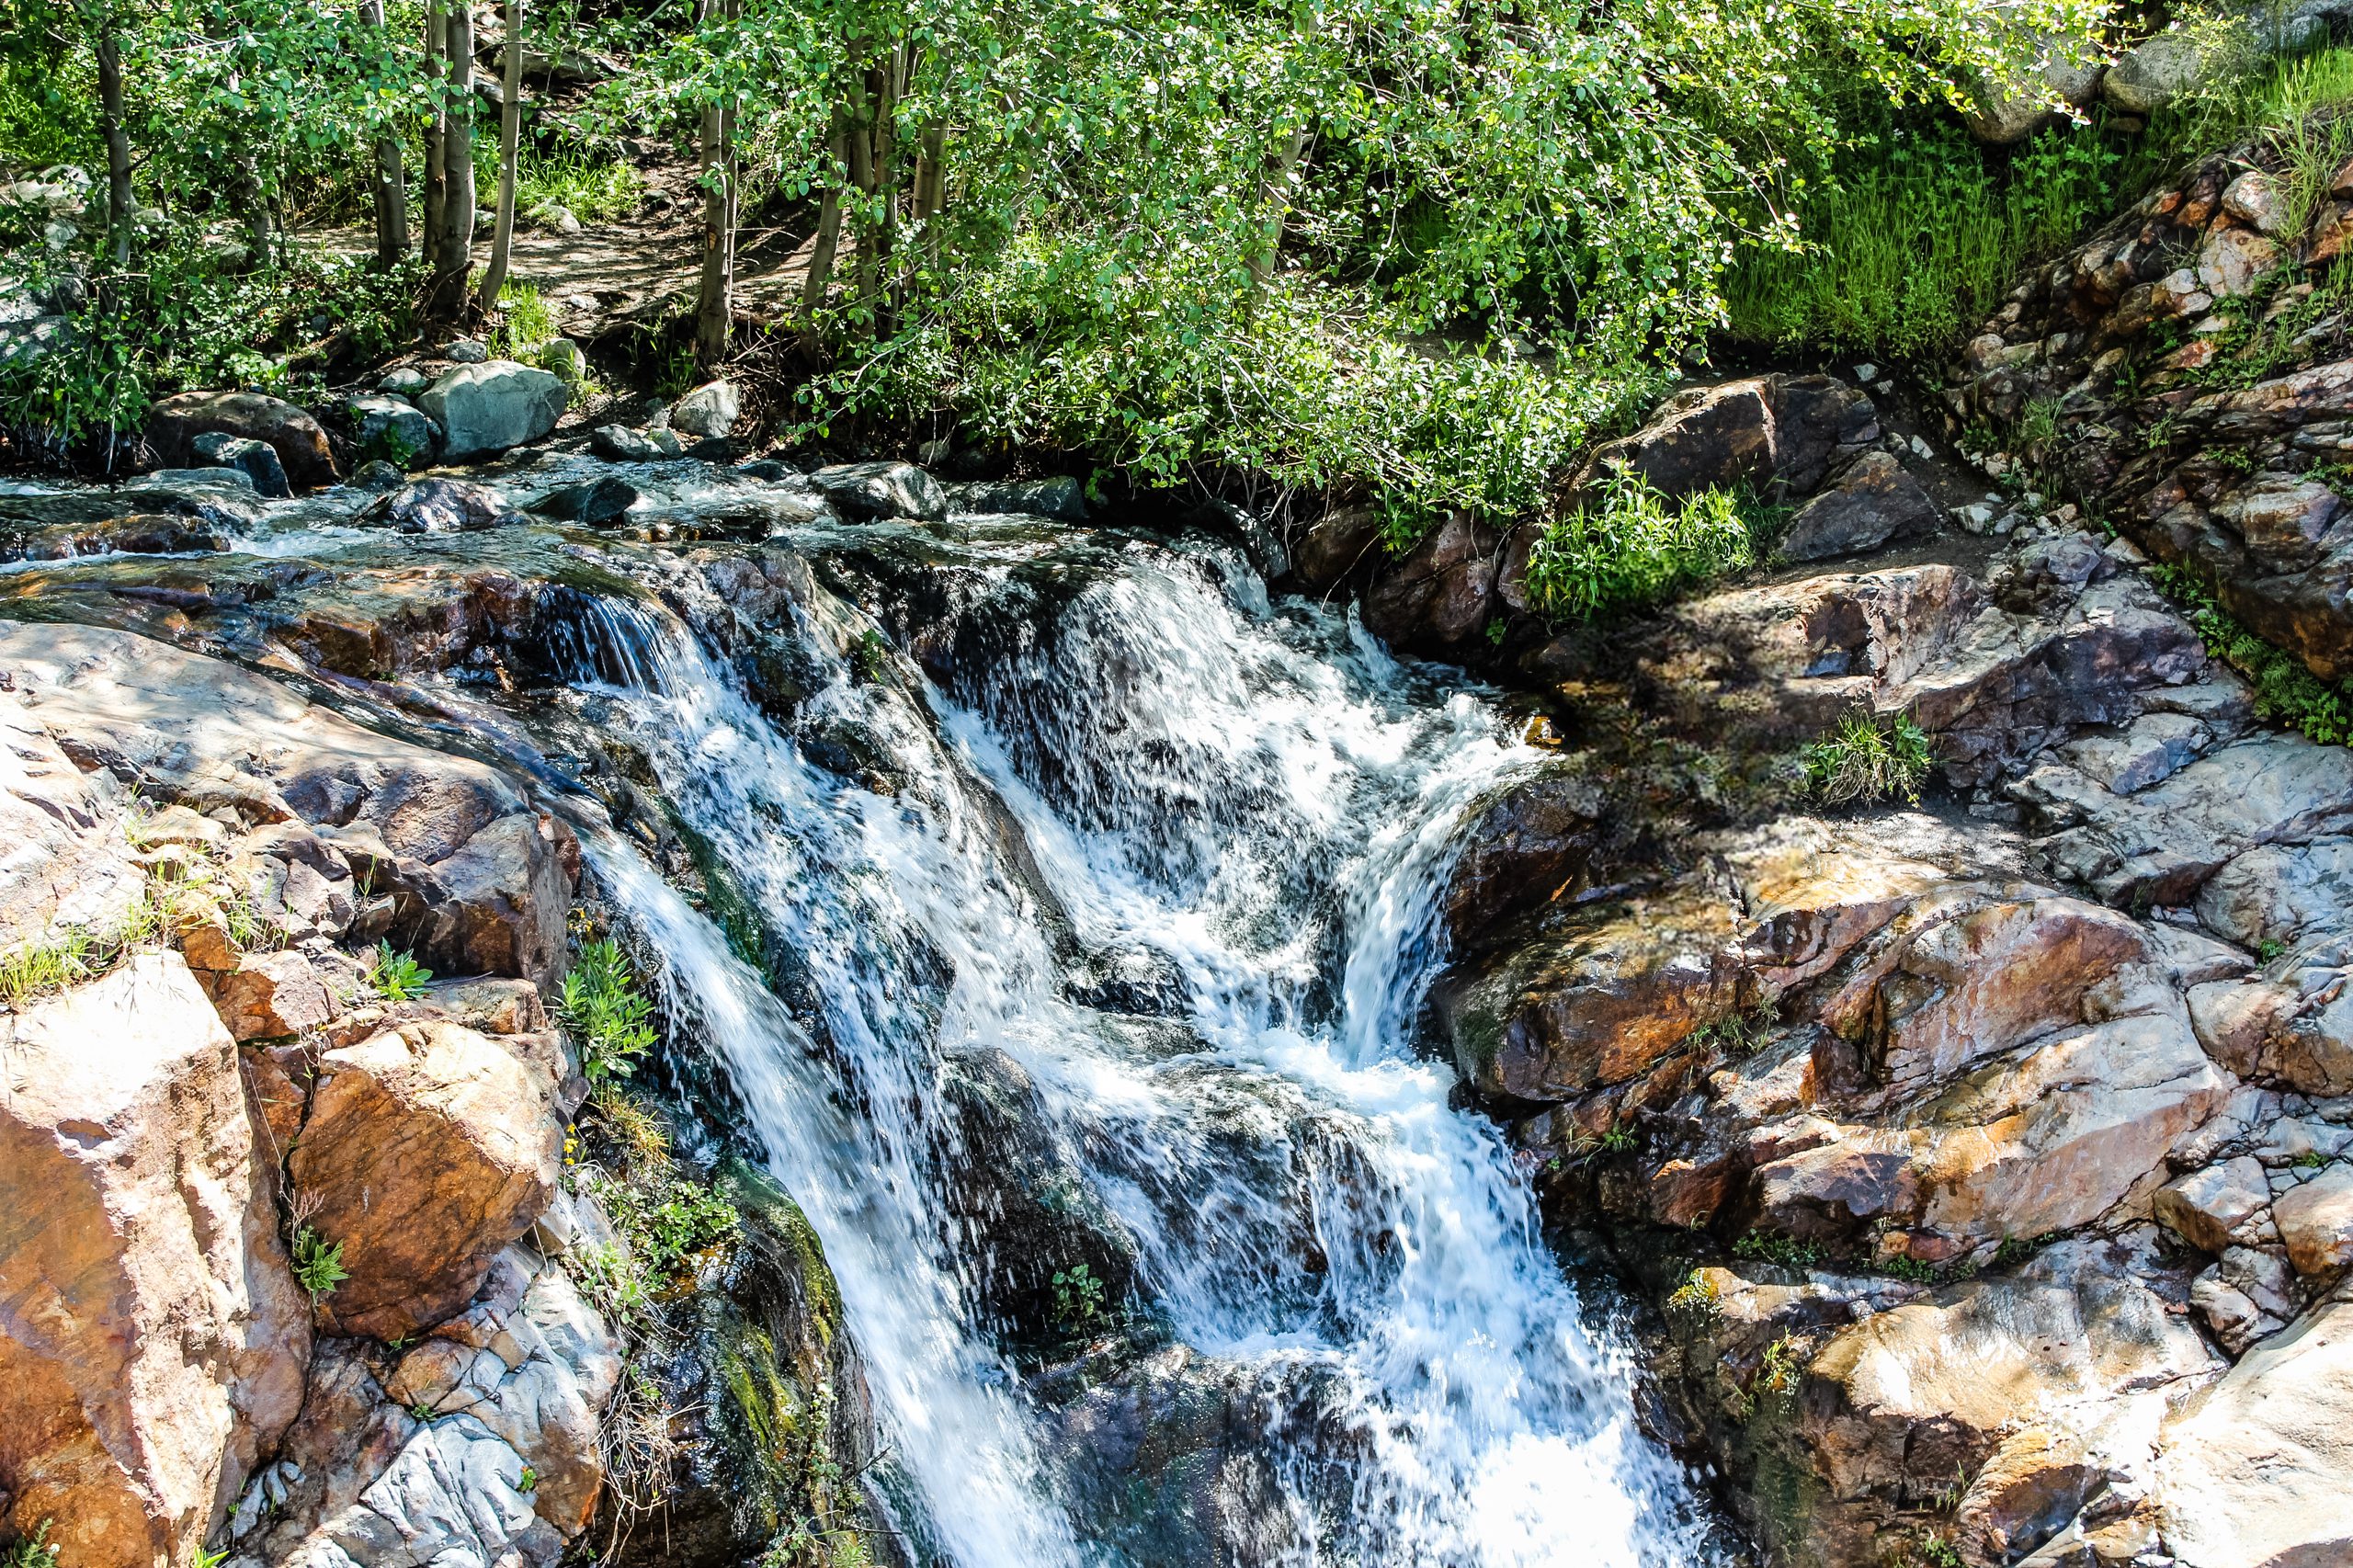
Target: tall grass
(1916,241)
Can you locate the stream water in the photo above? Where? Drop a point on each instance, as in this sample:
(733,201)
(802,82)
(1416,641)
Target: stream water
(1252,805)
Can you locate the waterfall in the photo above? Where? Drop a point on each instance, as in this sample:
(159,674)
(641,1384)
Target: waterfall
(1256,803)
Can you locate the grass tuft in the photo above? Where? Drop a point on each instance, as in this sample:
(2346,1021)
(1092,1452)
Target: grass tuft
(1865,760)
(1637,549)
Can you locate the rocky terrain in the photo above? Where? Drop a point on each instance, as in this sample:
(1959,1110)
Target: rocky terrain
(1984,1142)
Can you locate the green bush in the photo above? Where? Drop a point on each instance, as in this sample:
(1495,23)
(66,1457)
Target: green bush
(1864,759)
(397,977)
(1637,549)
(2286,692)
(610,1019)
(318,1267)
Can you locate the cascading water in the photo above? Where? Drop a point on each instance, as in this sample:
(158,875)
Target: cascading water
(1262,802)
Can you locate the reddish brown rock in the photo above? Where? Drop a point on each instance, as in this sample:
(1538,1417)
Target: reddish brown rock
(429,1149)
(1441,595)
(152,1338)
(299,439)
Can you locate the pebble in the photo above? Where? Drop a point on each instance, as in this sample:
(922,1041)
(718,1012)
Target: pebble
(468,351)
(1866,373)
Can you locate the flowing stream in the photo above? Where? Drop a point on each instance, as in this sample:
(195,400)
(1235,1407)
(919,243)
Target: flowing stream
(1250,806)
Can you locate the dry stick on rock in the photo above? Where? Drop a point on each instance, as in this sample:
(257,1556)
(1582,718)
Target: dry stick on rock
(510,136)
(391,181)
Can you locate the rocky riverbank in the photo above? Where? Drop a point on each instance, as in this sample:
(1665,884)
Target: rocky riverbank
(1982,1137)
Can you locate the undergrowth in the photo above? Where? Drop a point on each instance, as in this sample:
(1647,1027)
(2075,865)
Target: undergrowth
(1636,548)
(1867,759)
(608,1013)
(2286,693)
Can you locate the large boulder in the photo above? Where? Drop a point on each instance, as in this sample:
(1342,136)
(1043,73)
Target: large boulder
(490,407)
(300,440)
(438,507)
(1443,593)
(1873,502)
(881,490)
(429,1149)
(152,1337)
(2253,1471)
(392,428)
(457,864)
(709,411)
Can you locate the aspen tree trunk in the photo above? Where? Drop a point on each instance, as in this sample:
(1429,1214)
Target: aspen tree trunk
(510,137)
(455,259)
(391,181)
(437,180)
(714,303)
(108,49)
(822,249)
(1274,194)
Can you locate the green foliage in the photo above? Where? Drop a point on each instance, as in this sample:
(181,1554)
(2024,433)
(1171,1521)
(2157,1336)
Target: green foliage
(52,964)
(2018,1249)
(396,976)
(1696,1297)
(1078,1298)
(318,1267)
(34,1551)
(1787,1251)
(1864,759)
(667,1221)
(2286,692)
(525,324)
(1638,548)
(1936,1551)
(1617,1140)
(1914,237)
(870,657)
(1904,1266)
(591,189)
(610,1019)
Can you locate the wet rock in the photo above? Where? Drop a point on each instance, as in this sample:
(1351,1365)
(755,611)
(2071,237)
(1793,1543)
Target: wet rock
(709,411)
(155,1345)
(881,490)
(1533,842)
(490,407)
(392,429)
(2252,1470)
(257,460)
(438,507)
(300,443)
(618,443)
(1063,498)
(1020,1202)
(596,503)
(1873,502)
(1442,594)
(427,1149)
(378,475)
(460,866)
(1596,1003)
(1335,544)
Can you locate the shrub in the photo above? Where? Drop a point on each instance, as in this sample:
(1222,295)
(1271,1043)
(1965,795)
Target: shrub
(397,977)
(1865,760)
(2285,691)
(318,1267)
(1637,549)
(610,1019)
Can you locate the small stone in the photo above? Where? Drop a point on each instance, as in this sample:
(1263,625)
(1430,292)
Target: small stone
(596,504)
(767,470)
(710,410)
(256,459)
(618,443)
(1921,449)
(469,351)
(405,382)
(564,359)
(2252,199)
(378,475)
(2205,1208)
(1866,373)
